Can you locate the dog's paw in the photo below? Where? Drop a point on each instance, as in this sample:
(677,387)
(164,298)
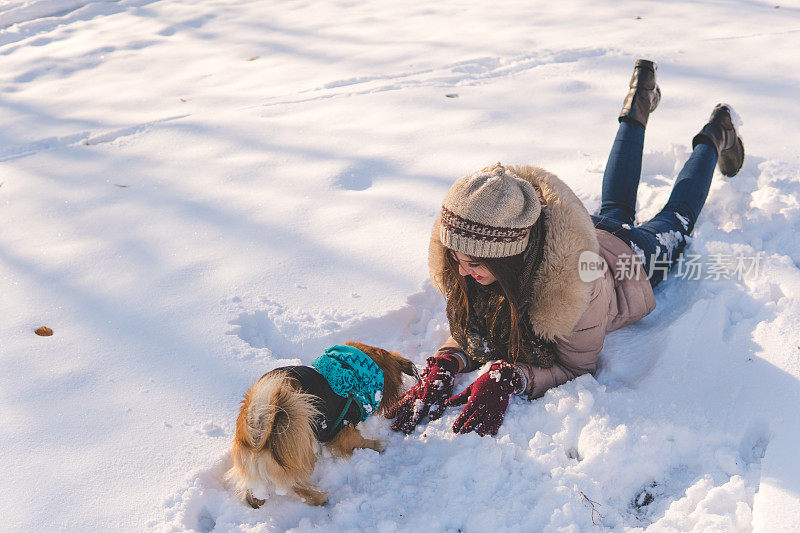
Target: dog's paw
(254,502)
(318,498)
(311,496)
(380,445)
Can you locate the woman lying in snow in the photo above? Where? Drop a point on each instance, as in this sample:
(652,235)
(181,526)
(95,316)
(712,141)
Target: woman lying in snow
(516,254)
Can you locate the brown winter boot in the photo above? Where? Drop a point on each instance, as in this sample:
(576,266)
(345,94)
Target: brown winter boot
(720,132)
(644,94)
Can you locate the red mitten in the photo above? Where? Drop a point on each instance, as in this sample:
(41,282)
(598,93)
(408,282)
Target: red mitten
(428,396)
(487,400)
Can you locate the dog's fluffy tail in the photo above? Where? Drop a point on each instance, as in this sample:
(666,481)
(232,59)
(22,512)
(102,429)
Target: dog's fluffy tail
(274,439)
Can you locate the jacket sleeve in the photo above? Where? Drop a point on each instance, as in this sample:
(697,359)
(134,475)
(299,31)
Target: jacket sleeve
(577,353)
(451,346)
(575,356)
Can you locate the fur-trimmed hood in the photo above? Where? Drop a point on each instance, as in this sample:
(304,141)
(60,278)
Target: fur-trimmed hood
(555,294)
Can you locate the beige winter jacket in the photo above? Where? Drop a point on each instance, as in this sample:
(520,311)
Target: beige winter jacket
(576,314)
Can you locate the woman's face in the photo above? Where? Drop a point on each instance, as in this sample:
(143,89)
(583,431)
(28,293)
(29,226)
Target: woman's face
(467,266)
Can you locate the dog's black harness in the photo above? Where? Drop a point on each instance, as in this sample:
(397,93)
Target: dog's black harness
(335,411)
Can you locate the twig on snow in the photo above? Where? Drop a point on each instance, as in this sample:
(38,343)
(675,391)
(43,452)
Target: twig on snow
(593,504)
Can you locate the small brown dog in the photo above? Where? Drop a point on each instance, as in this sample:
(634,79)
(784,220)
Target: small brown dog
(288,410)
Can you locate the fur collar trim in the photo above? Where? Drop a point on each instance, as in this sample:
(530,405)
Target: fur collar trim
(556,295)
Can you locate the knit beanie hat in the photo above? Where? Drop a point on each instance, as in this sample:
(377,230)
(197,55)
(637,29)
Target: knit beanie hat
(489,213)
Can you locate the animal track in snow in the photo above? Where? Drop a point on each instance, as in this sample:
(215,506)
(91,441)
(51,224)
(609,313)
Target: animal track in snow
(470,72)
(37,9)
(26,19)
(84,137)
(194,23)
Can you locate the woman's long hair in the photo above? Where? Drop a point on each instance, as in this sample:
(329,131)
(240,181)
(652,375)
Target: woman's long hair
(503,305)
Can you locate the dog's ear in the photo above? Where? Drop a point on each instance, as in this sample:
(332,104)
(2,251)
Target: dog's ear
(393,365)
(406,366)
(367,349)
(380,356)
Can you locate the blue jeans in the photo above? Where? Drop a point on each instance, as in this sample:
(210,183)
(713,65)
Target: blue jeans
(658,242)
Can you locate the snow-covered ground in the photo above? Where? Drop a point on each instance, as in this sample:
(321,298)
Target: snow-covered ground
(195,192)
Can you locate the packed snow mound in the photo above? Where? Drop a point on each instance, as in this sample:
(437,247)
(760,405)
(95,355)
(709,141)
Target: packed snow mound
(574,459)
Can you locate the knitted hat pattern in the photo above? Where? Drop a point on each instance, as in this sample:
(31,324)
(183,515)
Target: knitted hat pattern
(489,213)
